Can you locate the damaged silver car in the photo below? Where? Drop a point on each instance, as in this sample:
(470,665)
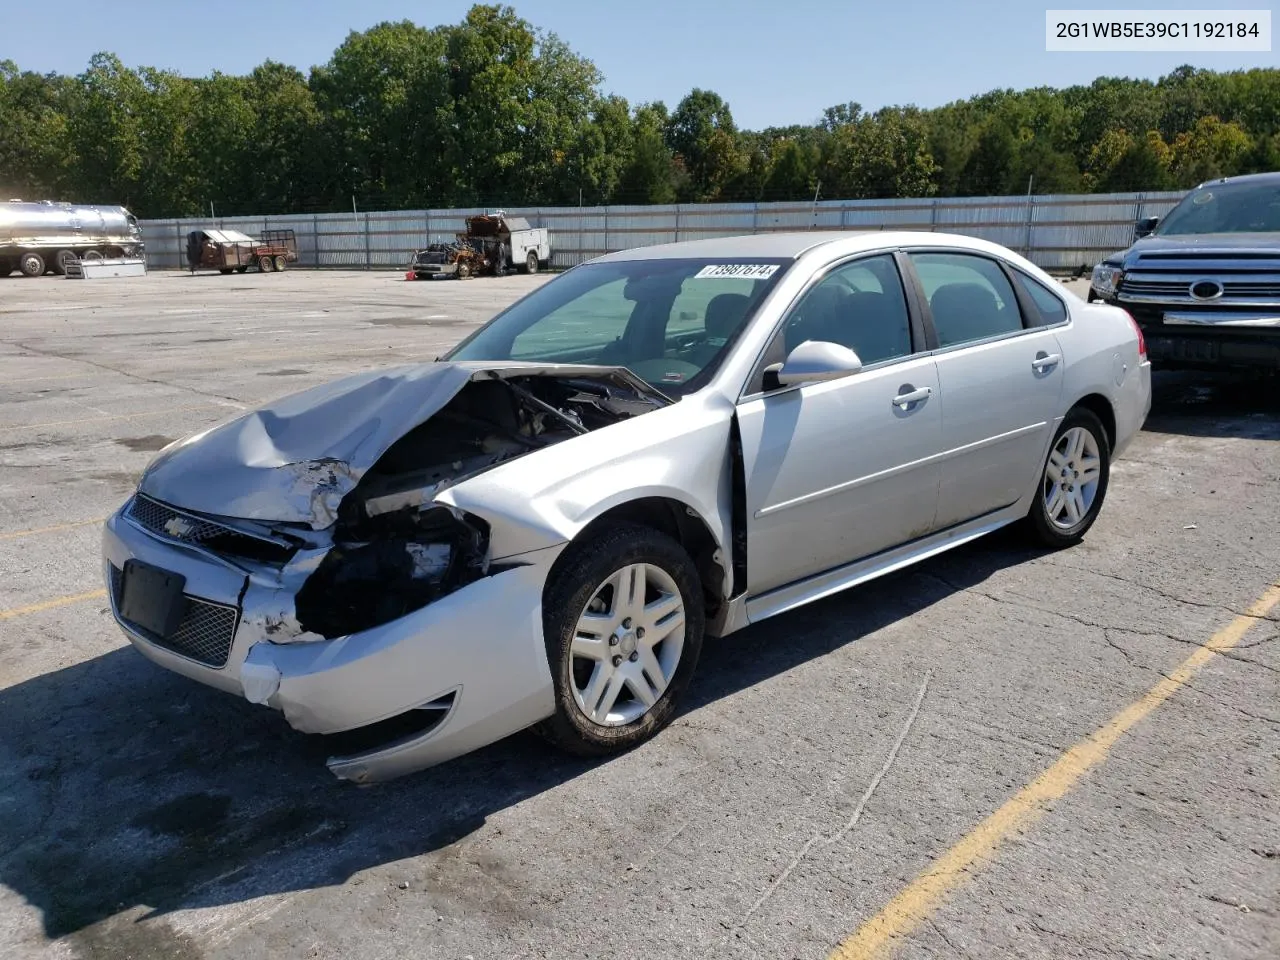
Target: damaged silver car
(539,529)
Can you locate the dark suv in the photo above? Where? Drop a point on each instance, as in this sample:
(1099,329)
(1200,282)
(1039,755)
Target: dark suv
(1204,281)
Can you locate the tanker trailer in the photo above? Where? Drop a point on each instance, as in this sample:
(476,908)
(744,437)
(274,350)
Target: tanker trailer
(38,237)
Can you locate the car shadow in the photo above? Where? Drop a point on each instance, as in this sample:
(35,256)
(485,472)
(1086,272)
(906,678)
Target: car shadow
(127,786)
(1215,405)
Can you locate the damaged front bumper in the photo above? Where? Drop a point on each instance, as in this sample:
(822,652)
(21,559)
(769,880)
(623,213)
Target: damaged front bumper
(467,669)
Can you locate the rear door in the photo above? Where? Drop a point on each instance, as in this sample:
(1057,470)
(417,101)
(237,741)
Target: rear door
(1000,374)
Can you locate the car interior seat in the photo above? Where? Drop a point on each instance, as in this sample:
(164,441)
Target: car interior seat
(967,311)
(725,314)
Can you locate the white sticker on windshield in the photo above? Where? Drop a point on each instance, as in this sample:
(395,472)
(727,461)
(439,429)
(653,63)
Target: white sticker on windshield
(740,271)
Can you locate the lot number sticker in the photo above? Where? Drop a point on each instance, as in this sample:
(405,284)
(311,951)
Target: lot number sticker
(741,271)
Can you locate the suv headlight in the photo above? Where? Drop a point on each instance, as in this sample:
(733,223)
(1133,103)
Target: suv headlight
(1106,279)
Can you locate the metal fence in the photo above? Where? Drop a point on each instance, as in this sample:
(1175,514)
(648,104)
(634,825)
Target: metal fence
(1060,233)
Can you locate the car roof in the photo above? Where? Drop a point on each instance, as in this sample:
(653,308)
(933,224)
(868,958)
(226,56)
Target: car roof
(1272,176)
(793,245)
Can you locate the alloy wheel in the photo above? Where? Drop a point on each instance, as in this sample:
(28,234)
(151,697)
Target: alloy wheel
(627,645)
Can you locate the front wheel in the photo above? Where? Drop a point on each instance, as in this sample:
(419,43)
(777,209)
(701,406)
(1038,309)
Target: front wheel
(623,621)
(266,264)
(531,262)
(1073,482)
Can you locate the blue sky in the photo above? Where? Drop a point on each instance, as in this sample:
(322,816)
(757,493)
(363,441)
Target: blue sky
(775,62)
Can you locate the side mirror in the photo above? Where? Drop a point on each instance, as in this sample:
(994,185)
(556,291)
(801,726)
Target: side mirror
(813,361)
(1144,226)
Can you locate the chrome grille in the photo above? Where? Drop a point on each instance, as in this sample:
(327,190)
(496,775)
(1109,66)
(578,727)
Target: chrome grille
(164,521)
(204,634)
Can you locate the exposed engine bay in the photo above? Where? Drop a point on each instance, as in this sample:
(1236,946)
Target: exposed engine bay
(393,549)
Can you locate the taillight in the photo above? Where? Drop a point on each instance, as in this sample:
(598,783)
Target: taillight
(1142,341)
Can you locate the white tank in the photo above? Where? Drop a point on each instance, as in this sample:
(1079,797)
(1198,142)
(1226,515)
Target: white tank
(45,234)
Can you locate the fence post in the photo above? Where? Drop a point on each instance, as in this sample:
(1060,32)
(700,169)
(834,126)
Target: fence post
(677,223)
(177,226)
(315,237)
(606,228)
(1031,206)
(368,255)
(933,216)
(755,217)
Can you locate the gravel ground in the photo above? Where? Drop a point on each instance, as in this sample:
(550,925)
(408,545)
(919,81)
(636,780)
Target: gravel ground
(144,816)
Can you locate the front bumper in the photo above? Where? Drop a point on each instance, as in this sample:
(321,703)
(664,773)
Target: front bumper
(1179,337)
(479,651)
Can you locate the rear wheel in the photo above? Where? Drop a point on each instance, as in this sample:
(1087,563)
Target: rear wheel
(31,265)
(1074,481)
(225,270)
(280,264)
(531,262)
(6,266)
(91,255)
(241,269)
(266,264)
(623,623)
(60,261)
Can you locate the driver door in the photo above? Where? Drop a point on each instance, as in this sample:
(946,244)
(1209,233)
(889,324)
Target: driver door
(838,471)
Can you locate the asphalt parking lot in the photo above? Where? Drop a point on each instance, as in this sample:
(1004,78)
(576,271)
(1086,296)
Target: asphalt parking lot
(824,762)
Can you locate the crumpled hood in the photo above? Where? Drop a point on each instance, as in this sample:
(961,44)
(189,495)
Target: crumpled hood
(292,461)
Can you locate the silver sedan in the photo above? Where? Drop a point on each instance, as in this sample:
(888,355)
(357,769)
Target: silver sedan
(540,528)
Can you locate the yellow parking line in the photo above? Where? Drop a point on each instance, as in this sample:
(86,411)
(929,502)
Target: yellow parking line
(17,534)
(51,604)
(879,935)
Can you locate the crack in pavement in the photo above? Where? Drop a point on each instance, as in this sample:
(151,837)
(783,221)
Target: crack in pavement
(133,376)
(1105,627)
(1157,591)
(849,824)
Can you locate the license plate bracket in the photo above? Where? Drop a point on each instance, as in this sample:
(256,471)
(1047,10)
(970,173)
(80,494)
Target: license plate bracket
(152,598)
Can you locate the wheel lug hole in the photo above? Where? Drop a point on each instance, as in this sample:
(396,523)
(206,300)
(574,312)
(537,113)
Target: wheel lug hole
(617,661)
(626,624)
(634,656)
(613,640)
(639,633)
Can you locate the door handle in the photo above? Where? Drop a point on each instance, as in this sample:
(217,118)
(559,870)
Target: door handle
(904,400)
(1044,361)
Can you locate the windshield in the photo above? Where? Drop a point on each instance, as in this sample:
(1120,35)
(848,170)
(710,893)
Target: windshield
(669,321)
(1226,208)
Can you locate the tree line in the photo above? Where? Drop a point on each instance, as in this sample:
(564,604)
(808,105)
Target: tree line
(493,111)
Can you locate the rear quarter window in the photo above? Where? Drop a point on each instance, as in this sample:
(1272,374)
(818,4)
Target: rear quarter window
(1051,307)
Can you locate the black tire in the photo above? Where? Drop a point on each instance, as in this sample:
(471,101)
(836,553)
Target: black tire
(531,262)
(1038,522)
(92,255)
(31,264)
(241,269)
(6,267)
(266,264)
(60,261)
(575,579)
(225,270)
(464,269)
(280,263)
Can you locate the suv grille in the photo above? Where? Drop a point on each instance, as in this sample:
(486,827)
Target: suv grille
(1160,287)
(172,524)
(204,634)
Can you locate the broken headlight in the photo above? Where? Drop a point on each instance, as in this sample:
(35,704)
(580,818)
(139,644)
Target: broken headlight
(389,567)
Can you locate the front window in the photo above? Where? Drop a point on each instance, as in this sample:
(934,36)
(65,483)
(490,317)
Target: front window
(1242,207)
(669,321)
